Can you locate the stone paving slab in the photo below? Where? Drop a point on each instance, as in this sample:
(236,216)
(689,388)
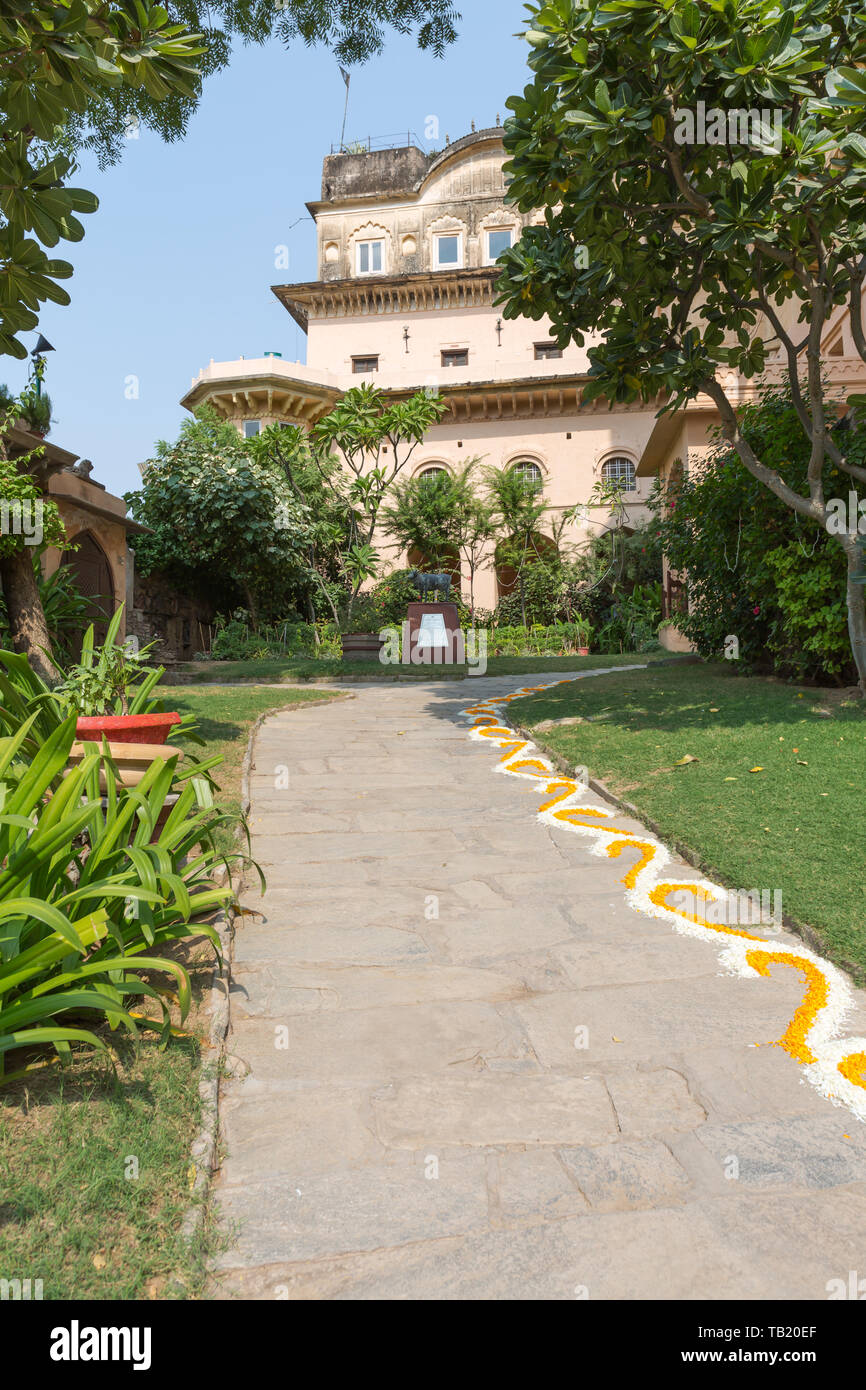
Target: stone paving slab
(473,1071)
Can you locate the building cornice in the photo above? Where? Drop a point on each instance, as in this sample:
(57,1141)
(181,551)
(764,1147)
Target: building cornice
(268,394)
(372,296)
(305,400)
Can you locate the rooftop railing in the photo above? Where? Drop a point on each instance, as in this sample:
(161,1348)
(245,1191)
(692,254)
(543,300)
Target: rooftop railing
(401,141)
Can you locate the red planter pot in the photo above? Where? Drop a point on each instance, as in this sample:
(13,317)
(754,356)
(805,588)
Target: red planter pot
(126,728)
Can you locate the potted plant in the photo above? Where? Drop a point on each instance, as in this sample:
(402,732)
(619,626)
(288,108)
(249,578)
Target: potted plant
(360,630)
(109,690)
(584,635)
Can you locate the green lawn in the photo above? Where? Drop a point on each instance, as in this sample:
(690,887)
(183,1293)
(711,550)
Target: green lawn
(94,1177)
(796,825)
(72,1213)
(301,669)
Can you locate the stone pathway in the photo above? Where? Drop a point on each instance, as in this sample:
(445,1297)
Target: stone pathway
(420,1119)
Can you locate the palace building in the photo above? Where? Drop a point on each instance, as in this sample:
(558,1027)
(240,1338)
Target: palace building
(405,298)
(407,244)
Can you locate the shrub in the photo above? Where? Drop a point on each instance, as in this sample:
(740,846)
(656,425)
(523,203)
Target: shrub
(91,894)
(235,641)
(756,571)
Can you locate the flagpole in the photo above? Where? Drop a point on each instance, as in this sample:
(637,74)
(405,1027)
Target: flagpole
(347,77)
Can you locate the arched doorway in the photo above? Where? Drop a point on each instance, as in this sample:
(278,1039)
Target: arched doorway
(538,547)
(92,574)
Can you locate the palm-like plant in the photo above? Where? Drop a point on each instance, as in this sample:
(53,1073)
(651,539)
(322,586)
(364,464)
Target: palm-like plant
(517,505)
(87,900)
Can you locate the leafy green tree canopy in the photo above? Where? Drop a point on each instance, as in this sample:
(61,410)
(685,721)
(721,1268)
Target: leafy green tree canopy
(84,73)
(702,169)
(356,30)
(217,514)
(59,58)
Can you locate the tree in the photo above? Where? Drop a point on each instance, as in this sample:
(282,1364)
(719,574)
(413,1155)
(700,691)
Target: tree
(780,589)
(85,73)
(372,441)
(703,176)
(58,59)
(313,485)
(216,513)
(355,30)
(474,530)
(516,508)
(28,522)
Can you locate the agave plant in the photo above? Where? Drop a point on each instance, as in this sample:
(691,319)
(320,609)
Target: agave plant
(87,901)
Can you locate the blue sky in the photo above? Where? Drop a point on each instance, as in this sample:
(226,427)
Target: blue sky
(176,265)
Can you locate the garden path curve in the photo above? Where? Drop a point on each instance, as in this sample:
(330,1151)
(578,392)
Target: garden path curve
(480,1068)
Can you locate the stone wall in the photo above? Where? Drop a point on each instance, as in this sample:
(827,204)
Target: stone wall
(178,624)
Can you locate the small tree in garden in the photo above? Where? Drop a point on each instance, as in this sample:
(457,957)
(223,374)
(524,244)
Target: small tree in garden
(516,508)
(702,169)
(475,529)
(217,514)
(373,441)
(441,515)
(423,516)
(316,491)
(28,523)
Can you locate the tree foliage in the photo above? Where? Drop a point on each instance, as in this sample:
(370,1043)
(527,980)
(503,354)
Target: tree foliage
(85,74)
(58,59)
(372,441)
(692,254)
(777,588)
(356,30)
(218,516)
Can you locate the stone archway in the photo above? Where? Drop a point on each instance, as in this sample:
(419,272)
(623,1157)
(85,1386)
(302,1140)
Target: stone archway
(92,574)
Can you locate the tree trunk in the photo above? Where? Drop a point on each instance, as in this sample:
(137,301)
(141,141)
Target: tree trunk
(251,608)
(27,622)
(857,613)
(311,614)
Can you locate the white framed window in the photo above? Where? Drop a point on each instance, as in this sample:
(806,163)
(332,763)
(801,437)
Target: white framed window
(370,257)
(498,239)
(547,352)
(530,473)
(429,475)
(252,428)
(448,251)
(620,471)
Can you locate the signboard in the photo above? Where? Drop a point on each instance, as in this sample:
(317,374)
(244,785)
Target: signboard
(432,634)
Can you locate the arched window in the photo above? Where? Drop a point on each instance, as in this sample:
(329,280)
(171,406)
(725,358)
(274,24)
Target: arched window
(621,472)
(429,475)
(530,473)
